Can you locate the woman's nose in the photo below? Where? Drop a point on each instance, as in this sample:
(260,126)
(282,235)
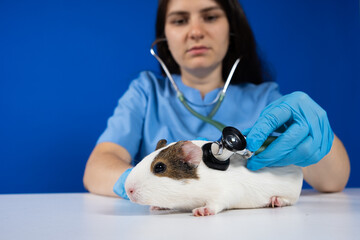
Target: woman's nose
(196,31)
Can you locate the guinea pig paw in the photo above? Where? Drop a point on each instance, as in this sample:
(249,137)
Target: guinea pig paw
(278,202)
(203,211)
(156,208)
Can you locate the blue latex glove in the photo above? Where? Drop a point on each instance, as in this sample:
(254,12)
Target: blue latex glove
(307,137)
(119,187)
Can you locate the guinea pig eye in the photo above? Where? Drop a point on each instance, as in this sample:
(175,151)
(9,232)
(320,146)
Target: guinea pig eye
(159,167)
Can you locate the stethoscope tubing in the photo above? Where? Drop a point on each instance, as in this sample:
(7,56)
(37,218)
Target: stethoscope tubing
(207,119)
(218,100)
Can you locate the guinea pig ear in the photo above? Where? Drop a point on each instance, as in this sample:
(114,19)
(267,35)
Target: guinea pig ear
(192,153)
(161,143)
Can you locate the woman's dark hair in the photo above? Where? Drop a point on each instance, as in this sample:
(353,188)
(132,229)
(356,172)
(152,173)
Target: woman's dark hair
(242,43)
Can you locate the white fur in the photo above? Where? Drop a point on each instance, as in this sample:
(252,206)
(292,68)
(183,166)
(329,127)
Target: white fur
(237,187)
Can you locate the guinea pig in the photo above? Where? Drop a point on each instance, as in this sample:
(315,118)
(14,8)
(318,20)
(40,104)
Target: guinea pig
(174,176)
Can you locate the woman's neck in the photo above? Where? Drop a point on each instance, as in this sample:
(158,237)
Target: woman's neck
(205,81)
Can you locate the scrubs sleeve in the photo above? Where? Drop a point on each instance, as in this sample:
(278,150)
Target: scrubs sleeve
(125,126)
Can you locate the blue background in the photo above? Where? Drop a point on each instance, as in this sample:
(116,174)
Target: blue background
(64,64)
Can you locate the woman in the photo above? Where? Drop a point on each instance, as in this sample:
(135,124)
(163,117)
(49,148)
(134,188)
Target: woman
(203,40)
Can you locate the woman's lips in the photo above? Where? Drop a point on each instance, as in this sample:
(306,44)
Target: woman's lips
(198,50)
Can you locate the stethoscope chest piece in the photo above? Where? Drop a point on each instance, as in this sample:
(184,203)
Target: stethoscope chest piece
(233,139)
(211,161)
(216,155)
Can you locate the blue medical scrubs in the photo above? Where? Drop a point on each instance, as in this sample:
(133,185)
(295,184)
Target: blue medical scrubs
(149,111)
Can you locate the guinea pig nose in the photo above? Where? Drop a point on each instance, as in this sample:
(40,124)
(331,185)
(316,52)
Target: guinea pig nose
(131,194)
(131,190)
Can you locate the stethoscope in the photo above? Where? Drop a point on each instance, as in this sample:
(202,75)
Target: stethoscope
(216,155)
(218,100)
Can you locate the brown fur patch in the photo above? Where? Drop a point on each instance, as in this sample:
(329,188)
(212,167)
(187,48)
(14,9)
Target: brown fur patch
(176,166)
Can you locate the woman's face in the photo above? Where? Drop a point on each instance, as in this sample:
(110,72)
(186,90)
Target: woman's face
(197,33)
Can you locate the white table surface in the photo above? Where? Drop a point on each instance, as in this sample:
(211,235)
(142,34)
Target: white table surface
(88,216)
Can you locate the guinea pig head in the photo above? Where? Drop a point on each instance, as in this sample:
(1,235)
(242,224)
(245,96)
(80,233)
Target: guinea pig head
(163,177)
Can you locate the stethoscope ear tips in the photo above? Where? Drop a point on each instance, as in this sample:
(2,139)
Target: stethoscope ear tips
(233,139)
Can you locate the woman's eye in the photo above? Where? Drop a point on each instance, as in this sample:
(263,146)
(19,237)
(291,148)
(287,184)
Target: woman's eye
(211,18)
(159,167)
(179,21)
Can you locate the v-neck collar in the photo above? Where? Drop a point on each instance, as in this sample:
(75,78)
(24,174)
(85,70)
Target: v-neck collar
(194,95)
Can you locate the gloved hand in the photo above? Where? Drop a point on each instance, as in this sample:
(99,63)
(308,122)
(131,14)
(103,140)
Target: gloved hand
(119,187)
(307,137)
